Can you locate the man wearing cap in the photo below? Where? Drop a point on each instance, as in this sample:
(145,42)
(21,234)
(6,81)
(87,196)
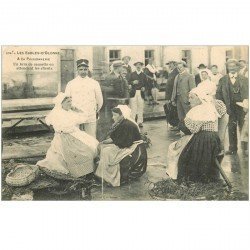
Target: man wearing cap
(86,96)
(243,68)
(137,82)
(233,88)
(171,111)
(115,82)
(173,72)
(183,83)
(126,60)
(198,76)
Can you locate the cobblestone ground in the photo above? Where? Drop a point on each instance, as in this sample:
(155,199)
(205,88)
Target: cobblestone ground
(236,167)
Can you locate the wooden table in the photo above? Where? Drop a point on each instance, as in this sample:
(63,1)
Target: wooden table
(26,115)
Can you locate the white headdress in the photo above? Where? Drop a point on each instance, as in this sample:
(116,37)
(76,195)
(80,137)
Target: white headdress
(208,110)
(207,71)
(126,112)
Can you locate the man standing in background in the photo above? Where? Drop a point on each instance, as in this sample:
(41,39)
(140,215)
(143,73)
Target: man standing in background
(173,72)
(198,76)
(243,68)
(152,87)
(170,110)
(233,88)
(86,96)
(115,82)
(126,60)
(183,83)
(137,82)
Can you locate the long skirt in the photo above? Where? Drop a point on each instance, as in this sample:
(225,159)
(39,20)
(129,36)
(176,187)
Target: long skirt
(68,155)
(197,160)
(173,154)
(117,165)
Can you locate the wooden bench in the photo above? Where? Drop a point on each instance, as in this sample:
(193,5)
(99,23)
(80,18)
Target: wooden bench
(21,116)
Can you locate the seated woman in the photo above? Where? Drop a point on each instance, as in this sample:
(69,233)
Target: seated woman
(193,156)
(123,155)
(72,151)
(197,159)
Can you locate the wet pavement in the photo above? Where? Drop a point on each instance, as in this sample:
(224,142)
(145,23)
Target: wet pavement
(235,167)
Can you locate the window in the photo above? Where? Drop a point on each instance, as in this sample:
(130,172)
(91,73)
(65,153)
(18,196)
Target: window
(186,57)
(229,54)
(114,55)
(148,54)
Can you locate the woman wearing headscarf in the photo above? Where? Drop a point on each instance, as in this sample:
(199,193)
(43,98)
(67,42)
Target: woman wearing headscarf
(72,151)
(123,156)
(193,156)
(206,78)
(197,159)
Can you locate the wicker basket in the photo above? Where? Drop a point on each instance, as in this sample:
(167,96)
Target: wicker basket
(22,175)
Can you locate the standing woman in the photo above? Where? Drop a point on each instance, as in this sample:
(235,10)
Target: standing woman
(152,87)
(197,159)
(123,156)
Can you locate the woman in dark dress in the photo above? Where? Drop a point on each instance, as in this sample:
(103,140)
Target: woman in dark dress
(197,159)
(123,155)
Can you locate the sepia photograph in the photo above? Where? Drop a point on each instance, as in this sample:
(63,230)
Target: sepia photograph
(148,122)
(125,125)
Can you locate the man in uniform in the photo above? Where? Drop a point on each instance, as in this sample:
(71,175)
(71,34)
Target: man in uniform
(86,97)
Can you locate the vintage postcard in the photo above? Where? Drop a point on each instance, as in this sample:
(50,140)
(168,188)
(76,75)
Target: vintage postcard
(125,122)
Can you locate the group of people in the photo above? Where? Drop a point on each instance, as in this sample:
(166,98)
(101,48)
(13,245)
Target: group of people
(135,86)
(205,105)
(231,88)
(75,151)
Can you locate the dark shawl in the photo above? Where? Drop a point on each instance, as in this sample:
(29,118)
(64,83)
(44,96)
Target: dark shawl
(125,134)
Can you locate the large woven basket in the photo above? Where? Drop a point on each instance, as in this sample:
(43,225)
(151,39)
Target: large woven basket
(22,175)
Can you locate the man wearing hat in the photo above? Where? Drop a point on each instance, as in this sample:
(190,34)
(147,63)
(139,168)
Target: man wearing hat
(115,83)
(86,97)
(233,88)
(183,83)
(137,82)
(171,111)
(243,68)
(198,76)
(173,72)
(126,60)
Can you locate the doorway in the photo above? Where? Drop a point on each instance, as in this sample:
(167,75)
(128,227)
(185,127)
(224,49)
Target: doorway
(67,67)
